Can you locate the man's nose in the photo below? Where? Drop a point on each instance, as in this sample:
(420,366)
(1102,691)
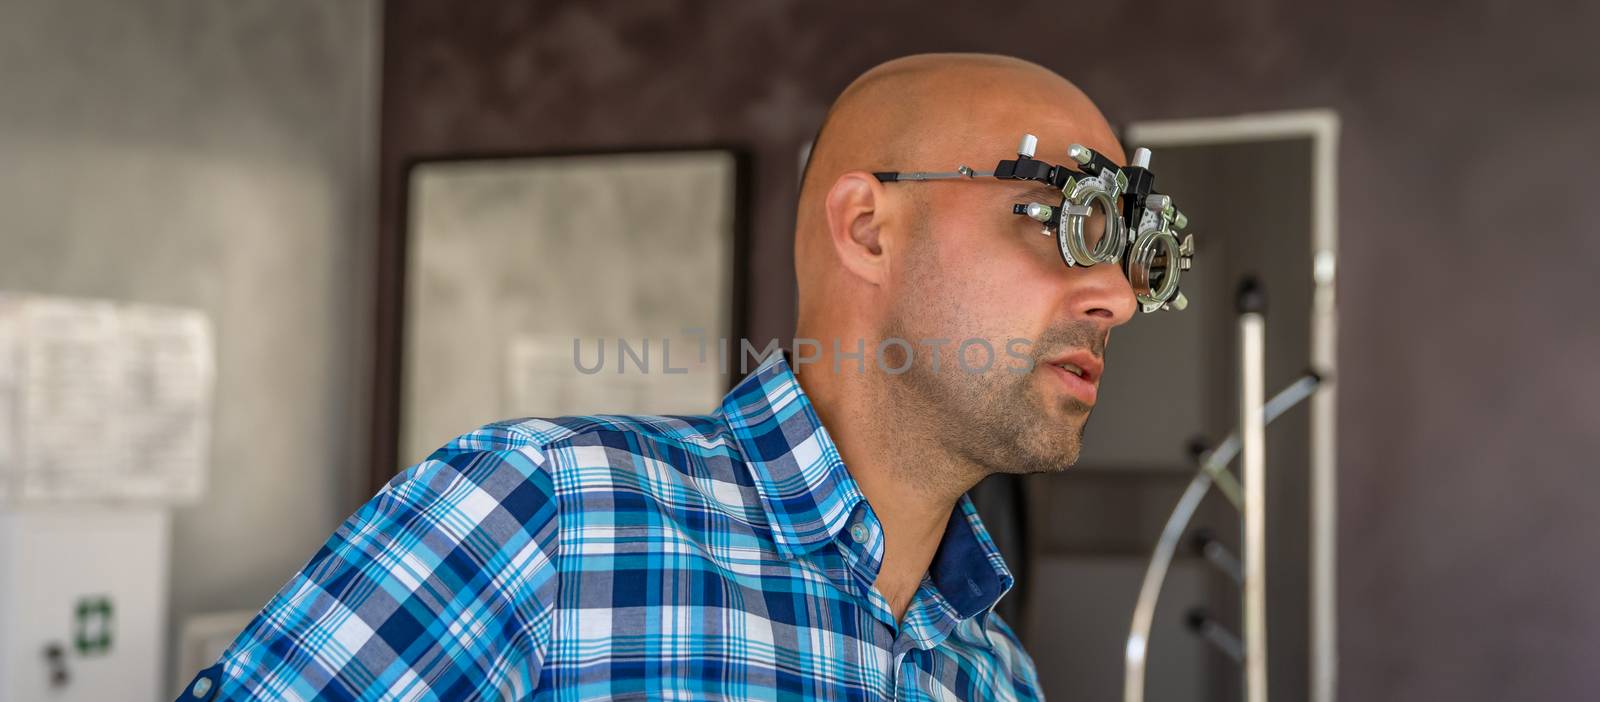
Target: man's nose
(1104,295)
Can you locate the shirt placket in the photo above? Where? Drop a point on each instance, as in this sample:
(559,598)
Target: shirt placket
(861,544)
(929,621)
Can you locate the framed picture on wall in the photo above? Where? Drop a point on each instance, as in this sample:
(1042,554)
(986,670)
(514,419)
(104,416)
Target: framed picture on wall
(564,284)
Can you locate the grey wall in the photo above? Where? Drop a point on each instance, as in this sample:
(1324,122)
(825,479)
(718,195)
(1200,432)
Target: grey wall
(1467,472)
(215,155)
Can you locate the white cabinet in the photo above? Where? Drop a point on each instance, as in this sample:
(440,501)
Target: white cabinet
(90,584)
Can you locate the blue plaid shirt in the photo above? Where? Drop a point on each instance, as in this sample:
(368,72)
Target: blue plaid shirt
(728,556)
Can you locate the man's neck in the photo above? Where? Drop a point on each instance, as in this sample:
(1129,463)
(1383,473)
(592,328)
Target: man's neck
(907,477)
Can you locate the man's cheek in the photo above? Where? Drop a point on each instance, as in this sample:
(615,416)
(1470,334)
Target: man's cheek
(1019,355)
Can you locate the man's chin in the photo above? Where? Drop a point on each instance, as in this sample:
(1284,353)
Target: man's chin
(1052,454)
(1067,415)
(1041,466)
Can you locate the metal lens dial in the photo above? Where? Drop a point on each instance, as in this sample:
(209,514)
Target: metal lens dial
(1153,266)
(1088,237)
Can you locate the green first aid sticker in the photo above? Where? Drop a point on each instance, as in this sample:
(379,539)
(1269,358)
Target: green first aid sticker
(92,627)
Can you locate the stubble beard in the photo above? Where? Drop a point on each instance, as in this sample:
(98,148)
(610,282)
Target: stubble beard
(999,420)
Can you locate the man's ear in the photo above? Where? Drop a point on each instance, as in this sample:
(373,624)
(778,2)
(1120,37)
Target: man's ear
(857,212)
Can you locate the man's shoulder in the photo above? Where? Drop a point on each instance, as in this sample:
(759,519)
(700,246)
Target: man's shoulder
(569,449)
(540,434)
(632,467)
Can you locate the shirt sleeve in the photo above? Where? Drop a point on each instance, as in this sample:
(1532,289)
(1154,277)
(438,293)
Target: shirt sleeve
(440,587)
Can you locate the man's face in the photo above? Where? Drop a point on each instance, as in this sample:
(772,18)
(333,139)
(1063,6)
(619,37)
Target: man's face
(978,277)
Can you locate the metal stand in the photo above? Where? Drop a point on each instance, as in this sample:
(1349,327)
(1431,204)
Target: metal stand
(1252,467)
(1249,499)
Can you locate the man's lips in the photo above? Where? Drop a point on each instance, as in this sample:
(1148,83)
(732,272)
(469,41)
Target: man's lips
(1079,372)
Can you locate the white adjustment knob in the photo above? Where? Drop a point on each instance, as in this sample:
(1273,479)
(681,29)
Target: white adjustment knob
(1029,144)
(1141,157)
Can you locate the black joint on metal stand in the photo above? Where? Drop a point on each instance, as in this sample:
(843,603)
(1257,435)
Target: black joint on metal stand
(1252,297)
(1202,624)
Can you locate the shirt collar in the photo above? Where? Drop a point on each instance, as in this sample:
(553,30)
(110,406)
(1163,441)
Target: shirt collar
(808,493)
(956,569)
(805,489)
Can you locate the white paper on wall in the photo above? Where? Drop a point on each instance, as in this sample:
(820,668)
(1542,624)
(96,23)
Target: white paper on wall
(69,429)
(103,400)
(168,373)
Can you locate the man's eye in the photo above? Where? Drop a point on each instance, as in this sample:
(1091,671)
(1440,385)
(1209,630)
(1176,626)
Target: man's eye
(1094,228)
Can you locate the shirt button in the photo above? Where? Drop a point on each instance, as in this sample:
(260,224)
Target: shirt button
(858,531)
(201,687)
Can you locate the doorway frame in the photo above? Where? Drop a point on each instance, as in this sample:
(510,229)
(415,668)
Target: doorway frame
(1321,127)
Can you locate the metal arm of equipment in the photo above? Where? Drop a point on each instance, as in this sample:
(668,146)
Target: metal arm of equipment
(1207,546)
(1253,473)
(1214,633)
(1214,463)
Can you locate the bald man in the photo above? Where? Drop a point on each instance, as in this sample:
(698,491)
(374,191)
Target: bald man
(810,539)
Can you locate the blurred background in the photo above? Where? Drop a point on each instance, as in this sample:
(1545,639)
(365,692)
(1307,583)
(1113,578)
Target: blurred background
(230,222)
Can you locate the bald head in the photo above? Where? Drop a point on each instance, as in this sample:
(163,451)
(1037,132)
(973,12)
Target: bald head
(905,272)
(932,112)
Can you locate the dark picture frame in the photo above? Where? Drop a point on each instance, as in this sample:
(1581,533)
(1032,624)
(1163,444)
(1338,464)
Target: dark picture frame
(394,299)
